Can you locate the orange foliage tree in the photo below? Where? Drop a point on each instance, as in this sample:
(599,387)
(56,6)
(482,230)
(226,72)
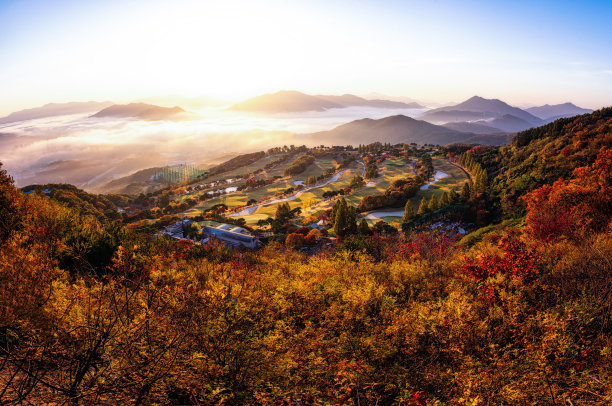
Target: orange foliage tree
(573,207)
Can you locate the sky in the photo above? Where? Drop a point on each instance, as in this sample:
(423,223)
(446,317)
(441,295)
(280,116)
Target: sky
(522,52)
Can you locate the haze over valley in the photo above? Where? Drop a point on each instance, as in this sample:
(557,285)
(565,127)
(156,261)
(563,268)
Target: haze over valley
(90,144)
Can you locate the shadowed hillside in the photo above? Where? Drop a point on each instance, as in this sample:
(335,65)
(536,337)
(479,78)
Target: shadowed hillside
(289,101)
(394,129)
(484,111)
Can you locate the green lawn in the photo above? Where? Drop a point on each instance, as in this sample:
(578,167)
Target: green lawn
(240,198)
(455,180)
(312,201)
(259,164)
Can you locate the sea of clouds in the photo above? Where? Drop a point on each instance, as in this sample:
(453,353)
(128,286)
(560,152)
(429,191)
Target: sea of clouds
(89,152)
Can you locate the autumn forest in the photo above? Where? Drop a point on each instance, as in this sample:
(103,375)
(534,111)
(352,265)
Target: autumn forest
(516,312)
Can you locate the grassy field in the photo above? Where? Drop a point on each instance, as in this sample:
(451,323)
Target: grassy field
(455,180)
(240,198)
(390,170)
(259,164)
(312,201)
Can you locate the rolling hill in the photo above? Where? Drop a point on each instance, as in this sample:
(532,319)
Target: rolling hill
(291,101)
(54,109)
(393,129)
(454,116)
(472,127)
(553,112)
(507,123)
(143,111)
(478,108)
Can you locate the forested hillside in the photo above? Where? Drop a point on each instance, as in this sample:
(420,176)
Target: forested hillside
(517,312)
(542,155)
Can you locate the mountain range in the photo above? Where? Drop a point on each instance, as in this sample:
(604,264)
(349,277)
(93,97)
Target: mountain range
(479,109)
(291,101)
(143,111)
(481,116)
(393,129)
(553,112)
(54,109)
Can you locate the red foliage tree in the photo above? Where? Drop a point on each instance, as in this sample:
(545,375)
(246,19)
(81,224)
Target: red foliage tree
(575,207)
(516,260)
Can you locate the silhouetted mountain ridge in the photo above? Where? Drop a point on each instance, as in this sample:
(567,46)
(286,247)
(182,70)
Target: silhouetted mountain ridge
(54,109)
(553,112)
(393,129)
(291,101)
(479,108)
(143,111)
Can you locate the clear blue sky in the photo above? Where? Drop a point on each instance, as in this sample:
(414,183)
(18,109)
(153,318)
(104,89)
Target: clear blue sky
(436,50)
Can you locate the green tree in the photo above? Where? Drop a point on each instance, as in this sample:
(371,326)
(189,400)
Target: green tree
(423,207)
(371,172)
(282,210)
(482,180)
(340,220)
(356,182)
(364,228)
(445,200)
(311,180)
(465,193)
(408,212)
(433,203)
(345,219)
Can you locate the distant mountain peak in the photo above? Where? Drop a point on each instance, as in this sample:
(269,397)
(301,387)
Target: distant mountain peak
(142,111)
(552,112)
(54,109)
(478,108)
(292,101)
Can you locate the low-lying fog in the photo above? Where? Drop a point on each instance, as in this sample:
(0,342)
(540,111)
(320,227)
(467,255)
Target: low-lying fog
(90,152)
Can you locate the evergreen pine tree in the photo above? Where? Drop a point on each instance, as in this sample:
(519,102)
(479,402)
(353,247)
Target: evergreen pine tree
(408,212)
(453,196)
(351,220)
(332,215)
(465,193)
(340,221)
(364,228)
(433,203)
(282,210)
(423,208)
(482,180)
(445,200)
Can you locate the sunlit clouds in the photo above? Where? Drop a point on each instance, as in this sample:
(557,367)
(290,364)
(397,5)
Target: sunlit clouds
(227,51)
(89,152)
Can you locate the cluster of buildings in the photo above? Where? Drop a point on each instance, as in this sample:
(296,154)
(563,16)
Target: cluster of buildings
(231,236)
